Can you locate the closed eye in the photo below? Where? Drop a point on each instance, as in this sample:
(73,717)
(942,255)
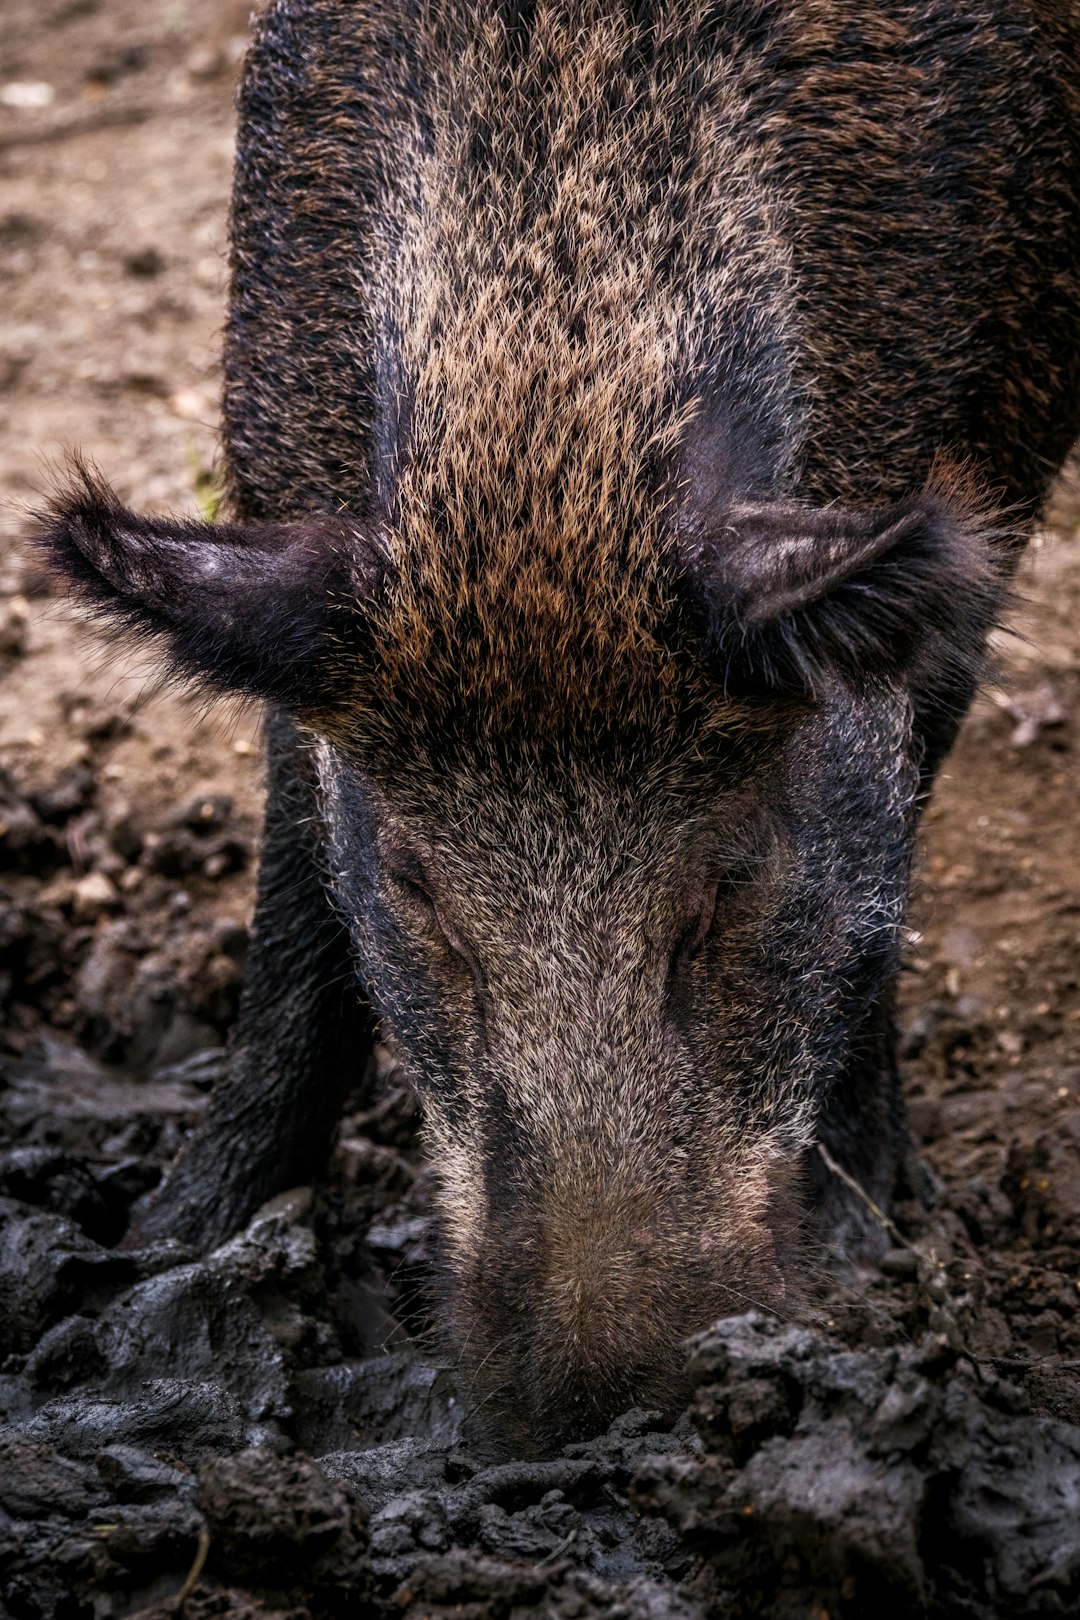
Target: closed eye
(695,931)
(412,887)
(410,881)
(734,882)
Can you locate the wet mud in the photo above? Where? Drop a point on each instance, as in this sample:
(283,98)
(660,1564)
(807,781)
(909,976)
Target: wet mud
(276,1429)
(273,1429)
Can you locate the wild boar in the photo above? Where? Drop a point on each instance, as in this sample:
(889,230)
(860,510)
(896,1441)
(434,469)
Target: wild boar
(633,413)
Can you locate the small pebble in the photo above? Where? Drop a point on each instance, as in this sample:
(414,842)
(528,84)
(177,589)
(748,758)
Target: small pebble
(190,406)
(204,62)
(93,895)
(27,93)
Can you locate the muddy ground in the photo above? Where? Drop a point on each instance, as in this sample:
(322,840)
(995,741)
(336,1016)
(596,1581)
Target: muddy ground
(273,1430)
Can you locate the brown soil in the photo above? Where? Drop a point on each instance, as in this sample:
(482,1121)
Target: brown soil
(128,820)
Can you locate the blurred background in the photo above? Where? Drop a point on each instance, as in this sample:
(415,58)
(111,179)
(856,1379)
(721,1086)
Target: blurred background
(127,815)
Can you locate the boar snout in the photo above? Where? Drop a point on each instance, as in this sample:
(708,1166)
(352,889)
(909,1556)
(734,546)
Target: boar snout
(577,1301)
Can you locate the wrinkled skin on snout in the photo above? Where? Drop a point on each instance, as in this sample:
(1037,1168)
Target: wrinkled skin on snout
(621,993)
(633,957)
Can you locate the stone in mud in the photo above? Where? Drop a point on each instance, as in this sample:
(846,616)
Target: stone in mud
(94,895)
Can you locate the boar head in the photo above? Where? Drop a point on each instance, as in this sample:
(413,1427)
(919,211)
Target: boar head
(625,859)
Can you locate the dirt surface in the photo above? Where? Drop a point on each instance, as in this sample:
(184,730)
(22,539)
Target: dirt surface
(270,1431)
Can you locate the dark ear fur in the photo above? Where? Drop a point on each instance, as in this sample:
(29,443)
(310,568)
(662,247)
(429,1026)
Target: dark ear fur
(247,607)
(793,597)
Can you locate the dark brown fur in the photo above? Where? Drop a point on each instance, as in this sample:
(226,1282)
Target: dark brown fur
(610,361)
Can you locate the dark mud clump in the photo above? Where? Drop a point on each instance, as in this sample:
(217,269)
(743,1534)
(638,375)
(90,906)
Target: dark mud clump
(269,1431)
(909,1478)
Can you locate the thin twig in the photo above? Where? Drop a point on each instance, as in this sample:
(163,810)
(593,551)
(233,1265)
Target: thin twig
(946,1311)
(860,1192)
(557,1552)
(61,129)
(195,1571)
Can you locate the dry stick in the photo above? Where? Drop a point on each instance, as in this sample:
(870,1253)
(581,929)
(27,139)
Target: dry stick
(556,1552)
(860,1192)
(63,128)
(195,1571)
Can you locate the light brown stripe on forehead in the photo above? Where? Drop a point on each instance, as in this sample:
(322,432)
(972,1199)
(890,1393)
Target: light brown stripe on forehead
(567,225)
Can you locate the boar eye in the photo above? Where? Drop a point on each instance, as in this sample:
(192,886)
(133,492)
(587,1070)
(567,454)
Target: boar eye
(413,887)
(410,881)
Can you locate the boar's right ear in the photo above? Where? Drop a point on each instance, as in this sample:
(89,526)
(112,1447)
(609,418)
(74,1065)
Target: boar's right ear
(246,607)
(794,597)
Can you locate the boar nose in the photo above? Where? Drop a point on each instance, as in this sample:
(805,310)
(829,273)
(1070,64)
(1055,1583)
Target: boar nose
(610,1318)
(588,1303)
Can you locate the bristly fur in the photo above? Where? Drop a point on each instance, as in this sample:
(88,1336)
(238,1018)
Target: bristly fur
(241,607)
(579,263)
(795,597)
(553,321)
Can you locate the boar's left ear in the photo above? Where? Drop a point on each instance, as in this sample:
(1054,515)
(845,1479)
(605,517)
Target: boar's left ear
(793,597)
(246,607)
